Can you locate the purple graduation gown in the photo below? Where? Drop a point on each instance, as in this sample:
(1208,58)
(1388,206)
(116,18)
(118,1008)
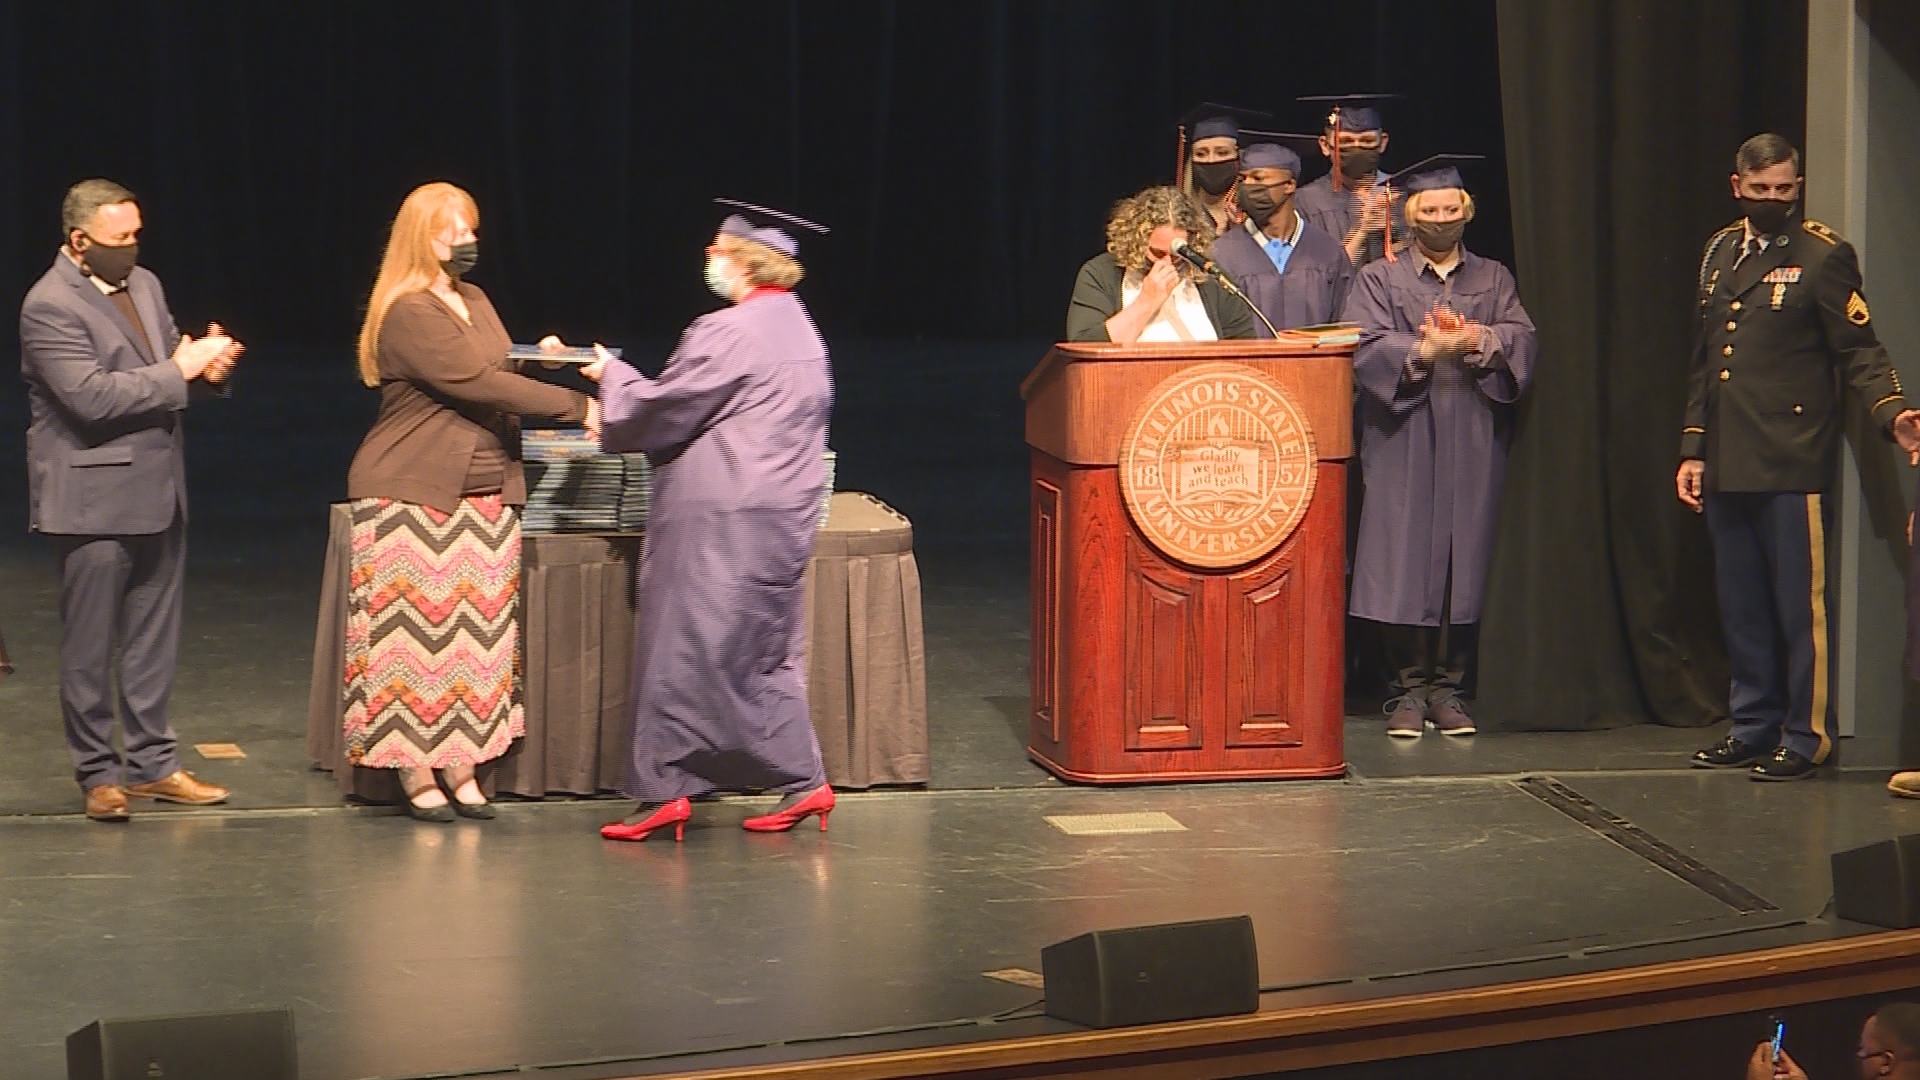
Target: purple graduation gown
(736,429)
(1310,293)
(1434,450)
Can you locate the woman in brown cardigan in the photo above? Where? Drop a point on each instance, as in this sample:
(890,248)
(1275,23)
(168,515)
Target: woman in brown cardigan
(432,670)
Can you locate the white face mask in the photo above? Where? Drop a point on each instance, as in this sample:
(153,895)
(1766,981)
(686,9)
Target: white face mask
(720,276)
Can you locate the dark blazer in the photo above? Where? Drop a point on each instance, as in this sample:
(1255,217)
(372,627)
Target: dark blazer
(1314,289)
(1778,338)
(1096,298)
(106,446)
(444,382)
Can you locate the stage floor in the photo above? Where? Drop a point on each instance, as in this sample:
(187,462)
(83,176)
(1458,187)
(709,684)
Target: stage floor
(407,949)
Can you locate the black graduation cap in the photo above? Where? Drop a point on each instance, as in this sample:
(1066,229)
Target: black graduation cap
(764,226)
(1274,150)
(1438,171)
(1211,120)
(1353,112)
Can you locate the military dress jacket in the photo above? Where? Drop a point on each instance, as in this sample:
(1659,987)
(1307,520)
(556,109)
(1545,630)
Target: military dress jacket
(1781,334)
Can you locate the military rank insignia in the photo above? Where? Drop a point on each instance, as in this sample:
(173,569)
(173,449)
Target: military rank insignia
(1779,294)
(1783,275)
(1857,309)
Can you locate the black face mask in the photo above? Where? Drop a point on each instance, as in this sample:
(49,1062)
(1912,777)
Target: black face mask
(1263,201)
(112,265)
(464,258)
(1440,236)
(1768,216)
(1359,163)
(1215,177)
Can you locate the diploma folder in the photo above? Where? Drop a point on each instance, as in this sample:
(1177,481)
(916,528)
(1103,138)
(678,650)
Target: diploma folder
(522,354)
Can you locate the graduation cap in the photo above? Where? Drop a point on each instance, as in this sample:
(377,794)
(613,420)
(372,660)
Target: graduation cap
(764,226)
(1353,112)
(1438,171)
(1210,120)
(1274,150)
(1350,112)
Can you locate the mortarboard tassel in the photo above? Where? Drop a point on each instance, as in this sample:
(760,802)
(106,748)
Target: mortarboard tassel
(1333,121)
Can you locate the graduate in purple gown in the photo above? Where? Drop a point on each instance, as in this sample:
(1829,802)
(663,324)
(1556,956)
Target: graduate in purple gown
(1293,271)
(736,429)
(1445,350)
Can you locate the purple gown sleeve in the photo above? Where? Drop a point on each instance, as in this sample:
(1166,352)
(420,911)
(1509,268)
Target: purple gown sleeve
(642,415)
(1381,361)
(1508,366)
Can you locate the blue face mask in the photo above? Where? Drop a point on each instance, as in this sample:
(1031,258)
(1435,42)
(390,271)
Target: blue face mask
(718,270)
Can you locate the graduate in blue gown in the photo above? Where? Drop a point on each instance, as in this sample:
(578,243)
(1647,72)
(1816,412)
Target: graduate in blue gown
(1445,351)
(1353,202)
(1293,271)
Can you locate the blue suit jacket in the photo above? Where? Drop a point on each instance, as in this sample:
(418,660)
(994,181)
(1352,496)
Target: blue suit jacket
(106,449)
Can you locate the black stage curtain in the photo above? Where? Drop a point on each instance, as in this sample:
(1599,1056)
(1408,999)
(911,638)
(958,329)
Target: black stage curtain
(965,154)
(1622,117)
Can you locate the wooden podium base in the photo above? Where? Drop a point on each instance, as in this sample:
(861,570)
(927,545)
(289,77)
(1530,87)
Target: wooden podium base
(1147,668)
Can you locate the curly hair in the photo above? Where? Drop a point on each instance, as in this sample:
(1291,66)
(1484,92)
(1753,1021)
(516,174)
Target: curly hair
(1136,216)
(763,265)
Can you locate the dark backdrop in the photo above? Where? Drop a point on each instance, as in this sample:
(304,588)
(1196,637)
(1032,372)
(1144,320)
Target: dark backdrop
(964,153)
(1622,118)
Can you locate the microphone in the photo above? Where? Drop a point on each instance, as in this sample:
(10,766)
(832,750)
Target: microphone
(1205,265)
(1184,251)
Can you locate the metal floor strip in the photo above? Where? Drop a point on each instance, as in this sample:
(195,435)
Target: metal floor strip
(1618,830)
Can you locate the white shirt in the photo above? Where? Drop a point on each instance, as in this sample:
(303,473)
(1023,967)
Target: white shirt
(1440,270)
(1182,318)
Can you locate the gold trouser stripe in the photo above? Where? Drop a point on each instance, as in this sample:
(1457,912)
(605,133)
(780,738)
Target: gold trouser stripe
(1817,542)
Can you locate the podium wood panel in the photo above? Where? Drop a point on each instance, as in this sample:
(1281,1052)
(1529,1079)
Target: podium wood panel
(1145,668)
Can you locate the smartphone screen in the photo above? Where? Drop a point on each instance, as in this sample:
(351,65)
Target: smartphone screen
(1779,1036)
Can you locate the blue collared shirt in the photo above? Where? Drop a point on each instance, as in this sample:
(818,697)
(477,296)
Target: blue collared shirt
(1278,250)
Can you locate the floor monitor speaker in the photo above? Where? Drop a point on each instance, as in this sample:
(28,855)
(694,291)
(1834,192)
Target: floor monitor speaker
(1153,974)
(1879,884)
(195,1046)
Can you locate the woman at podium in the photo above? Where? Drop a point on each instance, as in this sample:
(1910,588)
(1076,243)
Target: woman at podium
(1138,290)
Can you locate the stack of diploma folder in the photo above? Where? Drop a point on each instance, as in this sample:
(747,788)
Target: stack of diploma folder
(574,488)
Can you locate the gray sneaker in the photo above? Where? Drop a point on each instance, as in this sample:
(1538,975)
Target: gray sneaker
(1450,714)
(1406,716)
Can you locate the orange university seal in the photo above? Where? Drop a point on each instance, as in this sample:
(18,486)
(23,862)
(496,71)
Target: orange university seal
(1217,467)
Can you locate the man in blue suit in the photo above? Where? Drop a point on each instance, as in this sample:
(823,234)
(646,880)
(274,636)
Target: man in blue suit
(108,376)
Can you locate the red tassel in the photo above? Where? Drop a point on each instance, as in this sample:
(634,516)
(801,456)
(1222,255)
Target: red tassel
(1388,244)
(1180,166)
(1333,121)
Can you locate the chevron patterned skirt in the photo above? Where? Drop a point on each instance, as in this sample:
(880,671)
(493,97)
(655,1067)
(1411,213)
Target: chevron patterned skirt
(433,634)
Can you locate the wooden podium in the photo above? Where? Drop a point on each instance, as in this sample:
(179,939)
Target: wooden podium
(1160,654)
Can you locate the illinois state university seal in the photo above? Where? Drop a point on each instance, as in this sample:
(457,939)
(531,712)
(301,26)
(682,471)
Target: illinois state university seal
(1217,467)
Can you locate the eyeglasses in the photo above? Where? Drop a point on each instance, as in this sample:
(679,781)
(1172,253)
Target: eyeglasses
(1869,1055)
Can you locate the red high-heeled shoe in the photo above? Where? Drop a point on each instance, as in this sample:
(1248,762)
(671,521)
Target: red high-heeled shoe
(819,801)
(674,813)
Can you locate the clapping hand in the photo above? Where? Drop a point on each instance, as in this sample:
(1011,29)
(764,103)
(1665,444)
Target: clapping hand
(222,365)
(193,356)
(1445,334)
(1906,432)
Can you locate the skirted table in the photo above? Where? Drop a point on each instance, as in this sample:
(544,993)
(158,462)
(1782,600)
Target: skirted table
(866,658)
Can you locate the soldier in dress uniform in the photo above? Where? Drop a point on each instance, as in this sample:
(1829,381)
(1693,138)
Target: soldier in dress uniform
(1784,328)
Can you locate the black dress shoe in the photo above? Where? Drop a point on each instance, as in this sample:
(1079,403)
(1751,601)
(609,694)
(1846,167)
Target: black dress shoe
(480,811)
(1783,764)
(1728,753)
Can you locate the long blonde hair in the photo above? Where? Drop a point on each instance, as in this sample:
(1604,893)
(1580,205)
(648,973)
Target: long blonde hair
(409,264)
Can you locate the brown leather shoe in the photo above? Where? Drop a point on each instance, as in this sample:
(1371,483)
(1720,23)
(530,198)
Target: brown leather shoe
(181,787)
(107,803)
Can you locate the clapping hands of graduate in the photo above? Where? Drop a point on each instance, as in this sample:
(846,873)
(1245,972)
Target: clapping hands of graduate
(1445,336)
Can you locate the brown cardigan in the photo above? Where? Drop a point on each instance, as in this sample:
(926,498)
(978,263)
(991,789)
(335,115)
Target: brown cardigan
(445,386)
